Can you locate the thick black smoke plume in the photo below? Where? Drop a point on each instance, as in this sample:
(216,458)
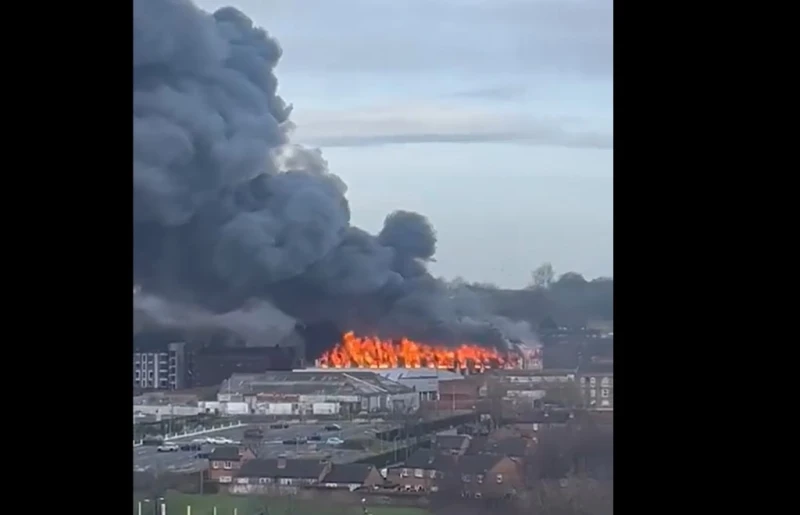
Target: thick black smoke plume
(227,210)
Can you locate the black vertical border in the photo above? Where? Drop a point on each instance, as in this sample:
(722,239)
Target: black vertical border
(71,209)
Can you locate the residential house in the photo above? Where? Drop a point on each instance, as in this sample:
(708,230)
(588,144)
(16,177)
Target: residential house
(451,444)
(513,447)
(596,380)
(479,475)
(484,476)
(225,462)
(529,423)
(420,471)
(261,475)
(352,476)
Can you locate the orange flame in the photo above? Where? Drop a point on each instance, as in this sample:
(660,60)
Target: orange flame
(372,352)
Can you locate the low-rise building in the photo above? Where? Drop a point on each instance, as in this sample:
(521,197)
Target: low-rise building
(479,475)
(451,444)
(352,476)
(281,474)
(529,423)
(512,446)
(224,463)
(318,393)
(596,380)
(424,381)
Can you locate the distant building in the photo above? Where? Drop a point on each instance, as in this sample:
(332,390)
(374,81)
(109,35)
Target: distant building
(212,365)
(262,475)
(596,380)
(317,393)
(424,381)
(159,361)
(225,463)
(478,475)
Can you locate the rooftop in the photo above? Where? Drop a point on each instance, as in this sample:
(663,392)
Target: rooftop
(227,453)
(449,442)
(596,367)
(468,464)
(513,446)
(394,374)
(311,383)
(283,468)
(348,473)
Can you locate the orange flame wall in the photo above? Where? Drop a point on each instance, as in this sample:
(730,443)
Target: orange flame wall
(371,352)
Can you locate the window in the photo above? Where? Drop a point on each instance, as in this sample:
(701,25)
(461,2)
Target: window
(418,473)
(604,381)
(432,474)
(214,464)
(604,403)
(263,480)
(466,478)
(403,472)
(227,465)
(592,393)
(136,375)
(592,381)
(479,478)
(285,481)
(604,392)
(499,478)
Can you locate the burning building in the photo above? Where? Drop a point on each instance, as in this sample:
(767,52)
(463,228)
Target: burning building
(372,352)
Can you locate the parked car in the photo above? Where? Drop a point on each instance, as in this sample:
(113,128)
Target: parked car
(334,441)
(168,447)
(333,427)
(279,425)
(191,447)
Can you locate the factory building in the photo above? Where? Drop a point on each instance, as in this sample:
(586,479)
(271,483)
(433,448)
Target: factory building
(424,381)
(309,393)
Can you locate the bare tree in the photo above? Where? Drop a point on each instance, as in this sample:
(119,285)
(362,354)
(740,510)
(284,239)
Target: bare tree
(542,277)
(570,496)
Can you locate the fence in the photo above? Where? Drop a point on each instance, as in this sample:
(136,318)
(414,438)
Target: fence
(212,429)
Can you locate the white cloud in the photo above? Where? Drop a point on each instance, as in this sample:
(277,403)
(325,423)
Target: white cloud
(434,124)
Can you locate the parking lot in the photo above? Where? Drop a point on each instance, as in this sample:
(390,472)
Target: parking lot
(147,458)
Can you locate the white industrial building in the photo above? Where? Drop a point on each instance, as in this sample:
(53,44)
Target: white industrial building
(424,381)
(317,393)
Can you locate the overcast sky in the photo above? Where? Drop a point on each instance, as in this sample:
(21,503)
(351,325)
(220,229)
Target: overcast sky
(492,117)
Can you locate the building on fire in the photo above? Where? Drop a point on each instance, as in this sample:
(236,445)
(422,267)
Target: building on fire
(318,393)
(373,353)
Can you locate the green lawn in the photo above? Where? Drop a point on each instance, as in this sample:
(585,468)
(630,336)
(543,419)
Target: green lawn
(226,504)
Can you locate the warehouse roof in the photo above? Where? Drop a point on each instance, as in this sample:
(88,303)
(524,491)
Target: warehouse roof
(395,374)
(313,383)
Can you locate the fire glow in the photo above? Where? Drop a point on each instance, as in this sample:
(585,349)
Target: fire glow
(370,352)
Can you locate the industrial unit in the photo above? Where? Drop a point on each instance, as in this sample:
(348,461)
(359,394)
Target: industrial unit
(317,393)
(424,381)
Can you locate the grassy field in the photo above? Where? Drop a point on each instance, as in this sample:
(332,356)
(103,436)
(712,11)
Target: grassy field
(240,505)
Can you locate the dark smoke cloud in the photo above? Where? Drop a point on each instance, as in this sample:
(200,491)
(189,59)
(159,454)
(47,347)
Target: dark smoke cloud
(226,209)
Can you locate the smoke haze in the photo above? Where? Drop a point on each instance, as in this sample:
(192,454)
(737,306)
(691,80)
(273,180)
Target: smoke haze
(226,209)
